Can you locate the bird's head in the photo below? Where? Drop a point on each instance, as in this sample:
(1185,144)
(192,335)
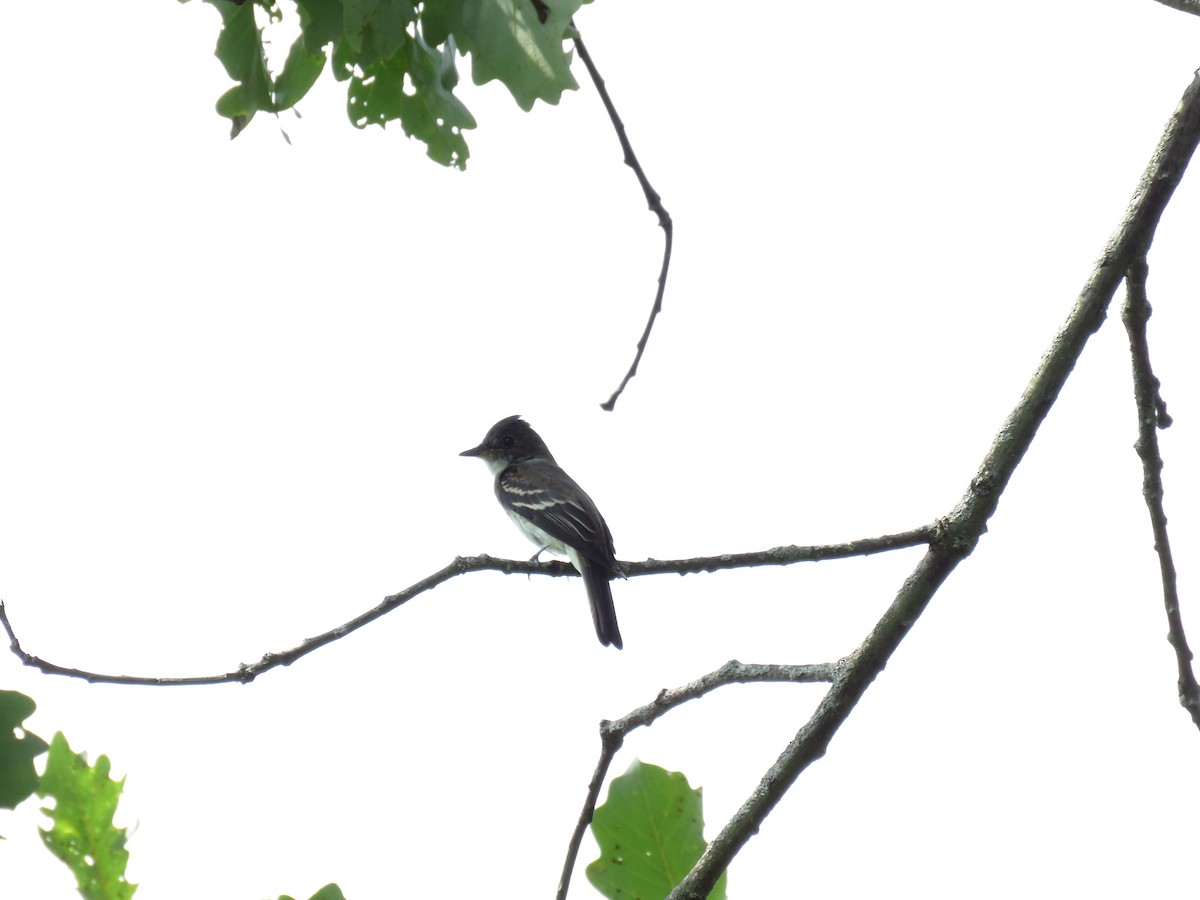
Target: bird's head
(510,441)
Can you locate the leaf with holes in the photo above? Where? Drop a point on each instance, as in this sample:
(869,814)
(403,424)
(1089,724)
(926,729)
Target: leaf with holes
(18,747)
(415,86)
(83,836)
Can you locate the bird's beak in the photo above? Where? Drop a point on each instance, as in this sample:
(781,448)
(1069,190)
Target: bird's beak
(475,451)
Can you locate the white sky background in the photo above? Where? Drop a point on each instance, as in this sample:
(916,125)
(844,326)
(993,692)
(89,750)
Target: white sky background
(236,376)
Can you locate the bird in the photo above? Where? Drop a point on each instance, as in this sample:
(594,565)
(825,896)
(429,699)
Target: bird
(554,512)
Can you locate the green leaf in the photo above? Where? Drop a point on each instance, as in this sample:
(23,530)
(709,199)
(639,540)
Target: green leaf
(651,832)
(343,62)
(239,48)
(425,104)
(320,22)
(376,29)
(83,836)
(438,19)
(18,779)
(300,72)
(507,41)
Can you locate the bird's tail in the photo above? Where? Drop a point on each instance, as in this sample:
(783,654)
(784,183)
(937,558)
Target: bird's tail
(604,614)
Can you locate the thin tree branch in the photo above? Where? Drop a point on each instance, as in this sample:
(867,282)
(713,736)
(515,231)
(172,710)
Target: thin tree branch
(968,521)
(652,199)
(1187,6)
(612,734)
(1152,415)
(247,672)
(610,743)
(782,556)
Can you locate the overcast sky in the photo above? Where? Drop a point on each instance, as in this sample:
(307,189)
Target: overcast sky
(236,377)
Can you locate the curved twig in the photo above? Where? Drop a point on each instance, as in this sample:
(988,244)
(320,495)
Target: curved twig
(652,199)
(247,672)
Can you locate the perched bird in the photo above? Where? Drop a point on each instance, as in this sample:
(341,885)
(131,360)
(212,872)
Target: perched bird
(553,512)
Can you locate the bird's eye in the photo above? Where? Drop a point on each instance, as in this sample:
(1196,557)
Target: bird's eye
(507,441)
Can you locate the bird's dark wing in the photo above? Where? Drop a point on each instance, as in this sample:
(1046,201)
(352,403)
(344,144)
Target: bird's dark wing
(550,499)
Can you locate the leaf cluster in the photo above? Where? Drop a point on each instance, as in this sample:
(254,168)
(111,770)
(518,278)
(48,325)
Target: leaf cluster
(398,58)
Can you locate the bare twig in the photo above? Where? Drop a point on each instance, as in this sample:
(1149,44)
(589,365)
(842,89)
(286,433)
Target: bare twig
(247,672)
(612,734)
(652,199)
(1152,415)
(968,521)
(784,556)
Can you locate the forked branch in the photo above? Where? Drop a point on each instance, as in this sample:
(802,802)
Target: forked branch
(612,734)
(967,522)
